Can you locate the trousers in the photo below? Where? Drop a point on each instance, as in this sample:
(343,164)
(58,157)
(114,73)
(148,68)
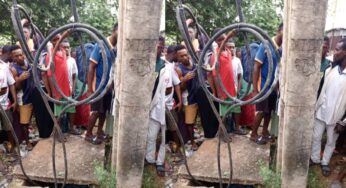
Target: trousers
(154,128)
(332,136)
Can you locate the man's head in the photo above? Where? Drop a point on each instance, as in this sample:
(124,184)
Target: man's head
(192,33)
(325,47)
(220,38)
(17,55)
(171,54)
(65,45)
(238,53)
(230,45)
(6,53)
(56,38)
(279,34)
(114,36)
(26,31)
(340,52)
(182,55)
(160,46)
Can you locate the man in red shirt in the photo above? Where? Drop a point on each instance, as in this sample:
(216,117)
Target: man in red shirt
(227,79)
(61,76)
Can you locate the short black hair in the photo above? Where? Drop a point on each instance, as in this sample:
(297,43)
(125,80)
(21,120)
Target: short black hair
(216,30)
(115,26)
(171,49)
(15,47)
(179,47)
(7,48)
(161,39)
(326,39)
(343,41)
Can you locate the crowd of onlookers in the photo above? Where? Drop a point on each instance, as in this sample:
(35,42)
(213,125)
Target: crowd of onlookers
(20,95)
(178,99)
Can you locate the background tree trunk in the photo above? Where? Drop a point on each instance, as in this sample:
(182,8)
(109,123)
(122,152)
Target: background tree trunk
(139,32)
(304,25)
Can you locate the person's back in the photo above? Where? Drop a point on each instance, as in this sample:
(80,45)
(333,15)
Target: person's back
(247,60)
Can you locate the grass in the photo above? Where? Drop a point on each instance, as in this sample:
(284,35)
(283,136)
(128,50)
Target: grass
(271,179)
(314,180)
(105,178)
(149,178)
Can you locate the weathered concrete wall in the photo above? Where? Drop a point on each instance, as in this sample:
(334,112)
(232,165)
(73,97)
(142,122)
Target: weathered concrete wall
(303,35)
(139,32)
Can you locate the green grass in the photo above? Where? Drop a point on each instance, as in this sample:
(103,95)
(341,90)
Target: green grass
(271,179)
(149,178)
(313,179)
(104,178)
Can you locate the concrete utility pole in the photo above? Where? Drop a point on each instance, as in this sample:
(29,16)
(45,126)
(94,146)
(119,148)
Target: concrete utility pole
(303,36)
(139,23)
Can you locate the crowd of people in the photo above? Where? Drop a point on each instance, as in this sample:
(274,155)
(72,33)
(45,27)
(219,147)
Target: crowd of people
(21,98)
(178,94)
(177,99)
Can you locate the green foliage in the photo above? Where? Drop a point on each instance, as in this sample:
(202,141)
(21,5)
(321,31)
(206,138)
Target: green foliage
(270,178)
(149,178)
(55,13)
(105,179)
(313,179)
(220,13)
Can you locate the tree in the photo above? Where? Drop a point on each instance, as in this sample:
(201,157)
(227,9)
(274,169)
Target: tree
(220,13)
(55,13)
(134,83)
(298,87)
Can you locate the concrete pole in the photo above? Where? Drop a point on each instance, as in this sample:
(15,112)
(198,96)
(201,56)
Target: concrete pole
(139,32)
(303,30)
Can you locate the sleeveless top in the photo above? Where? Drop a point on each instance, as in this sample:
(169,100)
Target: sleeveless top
(27,85)
(192,85)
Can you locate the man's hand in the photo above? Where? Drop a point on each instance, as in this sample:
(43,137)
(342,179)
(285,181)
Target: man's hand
(25,75)
(339,128)
(89,93)
(189,76)
(189,21)
(255,92)
(13,106)
(178,107)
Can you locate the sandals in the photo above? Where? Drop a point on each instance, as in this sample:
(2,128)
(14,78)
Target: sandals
(260,140)
(194,147)
(93,140)
(29,147)
(325,170)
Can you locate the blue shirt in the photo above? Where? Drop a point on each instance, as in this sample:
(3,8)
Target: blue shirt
(96,57)
(244,60)
(262,58)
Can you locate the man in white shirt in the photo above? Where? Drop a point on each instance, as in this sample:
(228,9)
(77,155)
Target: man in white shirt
(71,65)
(163,96)
(237,76)
(330,108)
(7,85)
(237,67)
